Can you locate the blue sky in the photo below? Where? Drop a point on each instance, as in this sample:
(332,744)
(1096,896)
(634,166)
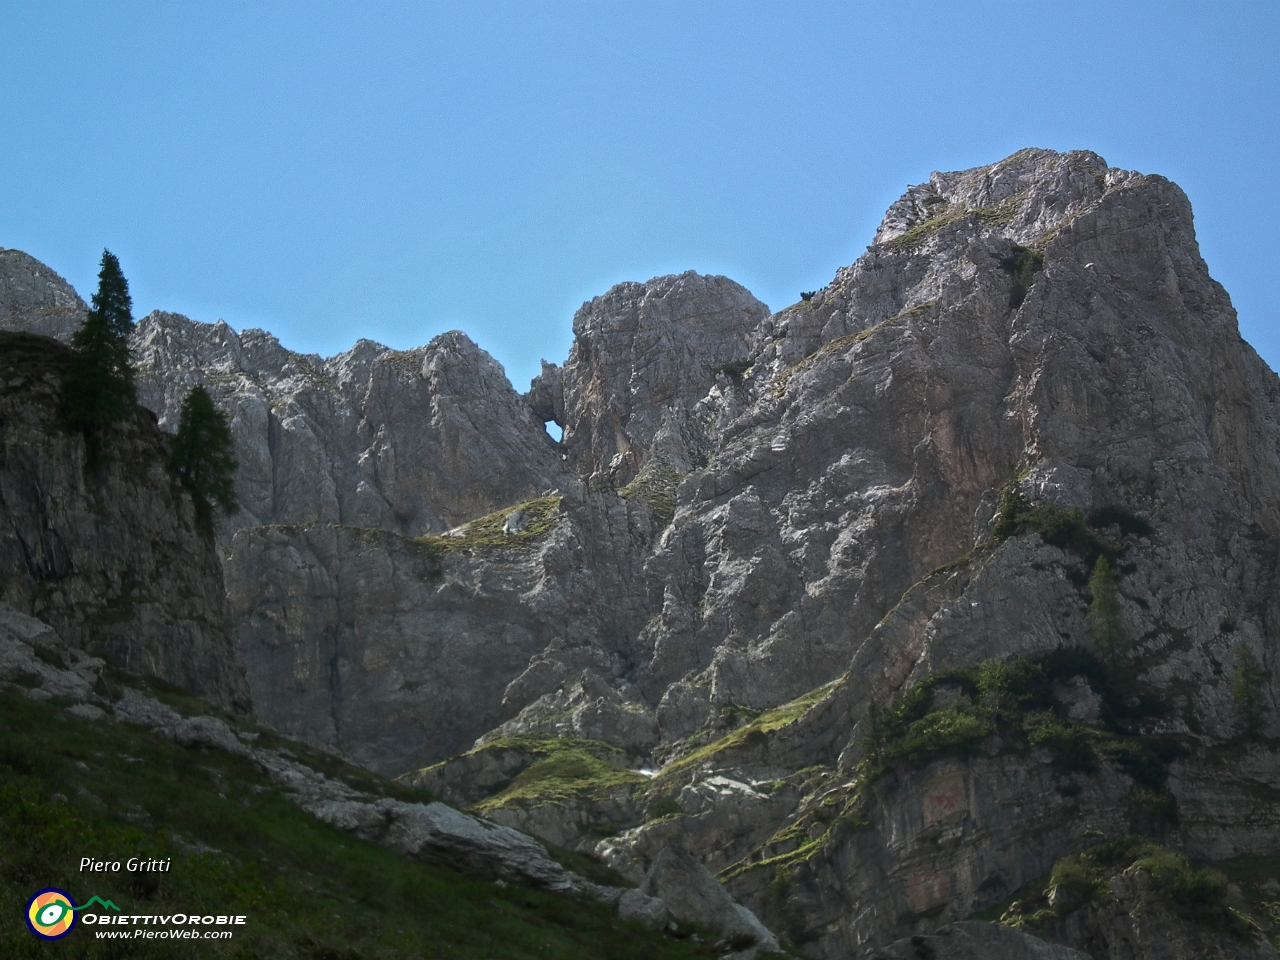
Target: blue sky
(334,171)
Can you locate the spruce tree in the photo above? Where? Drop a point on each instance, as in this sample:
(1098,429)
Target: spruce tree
(112,299)
(1105,622)
(202,454)
(98,389)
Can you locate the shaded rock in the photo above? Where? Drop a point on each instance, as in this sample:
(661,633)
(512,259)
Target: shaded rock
(110,556)
(87,711)
(590,709)
(1137,920)
(637,906)
(693,895)
(967,940)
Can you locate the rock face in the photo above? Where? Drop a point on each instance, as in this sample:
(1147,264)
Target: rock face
(898,596)
(644,356)
(1045,321)
(976,941)
(413,442)
(401,652)
(34,299)
(693,895)
(109,556)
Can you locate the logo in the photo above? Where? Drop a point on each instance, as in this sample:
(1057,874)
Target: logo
(51,914)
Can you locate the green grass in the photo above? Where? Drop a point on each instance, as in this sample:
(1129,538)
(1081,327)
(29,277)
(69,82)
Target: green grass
(1015,698)
(917,235)
(656,486)
(541,516)
(755,731)
(1195,893)
(1063,527)
(999,215)
(71,788)
(1022,264)
(566,772)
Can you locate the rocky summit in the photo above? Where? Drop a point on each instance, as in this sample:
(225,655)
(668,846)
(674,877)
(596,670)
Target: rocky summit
(948,594)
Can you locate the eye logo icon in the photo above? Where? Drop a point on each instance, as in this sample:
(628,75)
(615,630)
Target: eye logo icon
(51,914)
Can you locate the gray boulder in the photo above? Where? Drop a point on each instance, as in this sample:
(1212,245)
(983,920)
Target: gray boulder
(692,895)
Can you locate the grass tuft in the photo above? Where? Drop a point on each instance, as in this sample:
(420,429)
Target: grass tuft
(656,486)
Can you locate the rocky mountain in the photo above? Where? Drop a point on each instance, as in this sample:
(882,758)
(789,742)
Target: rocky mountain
(888,607)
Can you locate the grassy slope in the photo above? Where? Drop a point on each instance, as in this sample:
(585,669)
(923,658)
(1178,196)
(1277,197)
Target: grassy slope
(71,788)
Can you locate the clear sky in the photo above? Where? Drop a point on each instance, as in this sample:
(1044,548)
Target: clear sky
(331,171)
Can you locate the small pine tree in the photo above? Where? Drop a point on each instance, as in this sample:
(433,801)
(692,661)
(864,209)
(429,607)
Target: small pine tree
(202,454)
(1248,690)
(98,389)
(1105,622)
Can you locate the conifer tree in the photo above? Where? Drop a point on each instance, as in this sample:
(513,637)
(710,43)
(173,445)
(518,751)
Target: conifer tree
(1104,618)
(98,389)
(112,299)
(202,454)
(1248,688)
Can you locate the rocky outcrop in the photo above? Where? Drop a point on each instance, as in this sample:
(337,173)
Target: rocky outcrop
(37,664)
(644,356)
(402,651)
(34,299)
(693,895)
(110,556)
(1134,918)
(975,941)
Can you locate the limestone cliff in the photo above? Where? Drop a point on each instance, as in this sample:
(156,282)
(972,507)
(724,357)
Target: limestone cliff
(411,441)
(109,556)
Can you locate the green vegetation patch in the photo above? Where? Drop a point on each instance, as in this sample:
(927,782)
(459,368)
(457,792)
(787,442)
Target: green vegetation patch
(998,215)
(1015,699)
(917,235)
(567,770)
(537,519)
(1059,526)
(784,854)
(756,731)
(70,788)
(656,486)
(1198,894)
(1022,265)
(737,370)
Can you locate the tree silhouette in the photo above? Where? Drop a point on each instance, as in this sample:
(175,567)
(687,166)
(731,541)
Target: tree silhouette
(98,389)
(112,300)
(202,454)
